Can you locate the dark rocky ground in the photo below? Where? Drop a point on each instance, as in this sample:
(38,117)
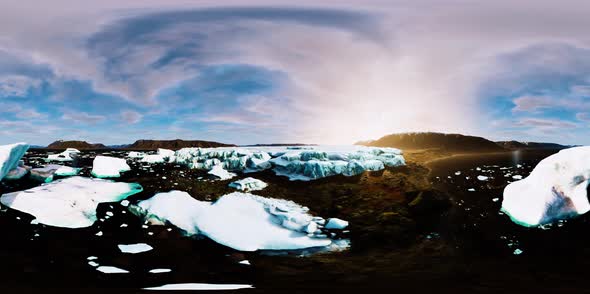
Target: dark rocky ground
(413,228)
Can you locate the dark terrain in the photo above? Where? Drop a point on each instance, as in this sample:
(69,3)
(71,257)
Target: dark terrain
(415,228)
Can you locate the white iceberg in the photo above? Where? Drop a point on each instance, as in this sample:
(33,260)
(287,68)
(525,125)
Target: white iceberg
(10,156)
(248,184)
(109,167)
(241,221)
(135,248)
(556,189)
(309,163)
(67,155)
(199,286)
(70,202)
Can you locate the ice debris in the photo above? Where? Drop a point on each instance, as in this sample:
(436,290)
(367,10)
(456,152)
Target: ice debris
(45,174)
(111,270)
(336,224)
(555,189)
(199,286)
(241,221)
(248,184)
(70,202)
(10,156)
(109,167)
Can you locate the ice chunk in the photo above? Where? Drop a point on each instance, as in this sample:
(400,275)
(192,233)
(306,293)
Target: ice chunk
(555,189)
(45,174)
(336,224)
(109,167)
(153,158)
(135,248)
(67,155)
(200,286)
(17,173)
(221,173)
(70,202)
(482,178)
(160,271)
(111,270)
(10,156)
(248,184)
(241,221)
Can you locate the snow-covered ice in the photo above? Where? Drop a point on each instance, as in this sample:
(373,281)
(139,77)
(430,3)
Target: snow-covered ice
(10,156)
(70,202)
(241,221)
(200,286)
(135,248)
(162,156)
(66,155)
(109,167)
(554,190)
(220,173)
(309,163)
(135,154)
(248,184)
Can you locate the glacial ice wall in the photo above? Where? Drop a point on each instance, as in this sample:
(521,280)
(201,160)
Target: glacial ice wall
(297,163)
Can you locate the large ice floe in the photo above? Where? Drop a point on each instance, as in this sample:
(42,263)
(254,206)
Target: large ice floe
(109,167)
(70,202)
(555,189)
(297,163)
(10,156)
(67,155)
(241,221)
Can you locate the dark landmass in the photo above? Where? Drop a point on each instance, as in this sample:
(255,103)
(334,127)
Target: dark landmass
(516,145)
(440,141)
(173,144)
(61,144)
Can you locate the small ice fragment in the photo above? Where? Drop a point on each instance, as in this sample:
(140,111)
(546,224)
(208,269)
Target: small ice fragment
(245,262)
(517,251)
(111,270)
(482,178)
(135,248)
(160,271)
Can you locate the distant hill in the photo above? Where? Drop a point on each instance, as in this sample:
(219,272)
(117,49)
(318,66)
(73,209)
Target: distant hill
(516,145)
(173,144)
(429,140)
(61,144)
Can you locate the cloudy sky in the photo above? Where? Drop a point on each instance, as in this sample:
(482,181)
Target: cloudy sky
(265,72)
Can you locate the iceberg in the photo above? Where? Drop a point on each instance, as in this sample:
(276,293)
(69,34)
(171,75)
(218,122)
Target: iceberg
(556,189)
(70,202)
(242,221)
(10,156)
(67,155)
(248,184)
(109,167)
(309,163)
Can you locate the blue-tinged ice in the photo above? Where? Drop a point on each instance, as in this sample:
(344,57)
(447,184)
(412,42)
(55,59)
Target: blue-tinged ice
(10,156)
(70,202)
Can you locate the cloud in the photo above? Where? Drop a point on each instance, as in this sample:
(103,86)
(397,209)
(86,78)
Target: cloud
(30,114)
(131,117)
(82,117)
(545,123)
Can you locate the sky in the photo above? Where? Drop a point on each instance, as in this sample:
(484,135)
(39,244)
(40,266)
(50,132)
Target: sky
(258,71)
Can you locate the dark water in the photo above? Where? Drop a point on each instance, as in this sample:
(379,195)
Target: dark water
(471,248)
